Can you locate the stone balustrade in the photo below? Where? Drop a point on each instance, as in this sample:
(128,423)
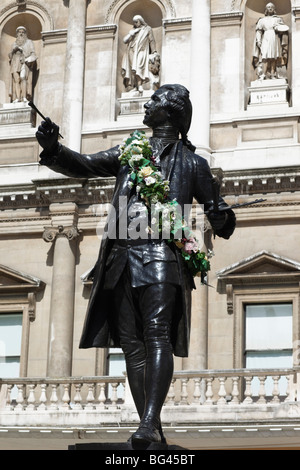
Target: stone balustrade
(200,409)
(205,388)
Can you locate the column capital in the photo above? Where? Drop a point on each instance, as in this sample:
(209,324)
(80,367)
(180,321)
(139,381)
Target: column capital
(51,233)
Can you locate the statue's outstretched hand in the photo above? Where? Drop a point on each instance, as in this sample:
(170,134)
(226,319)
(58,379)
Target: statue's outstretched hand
(217,220)
(47,136)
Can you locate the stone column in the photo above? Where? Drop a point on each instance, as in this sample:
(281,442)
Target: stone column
(200,136)
(63,234)
(197,359)
(200,77)
(74,74)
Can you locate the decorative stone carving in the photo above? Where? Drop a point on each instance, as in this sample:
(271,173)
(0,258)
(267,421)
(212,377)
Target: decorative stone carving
(51,233)
(271,45)
(22,59)
(141,62)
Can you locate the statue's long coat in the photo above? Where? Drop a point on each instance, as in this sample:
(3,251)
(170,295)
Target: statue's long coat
(190,178)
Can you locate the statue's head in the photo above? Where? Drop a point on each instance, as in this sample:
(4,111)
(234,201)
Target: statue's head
(21,30)
(270,9)
(170,104)
(138,20)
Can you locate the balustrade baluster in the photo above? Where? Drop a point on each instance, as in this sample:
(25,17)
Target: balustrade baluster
(262,390)
(171,394)
(222,391)
(8,397)
(114,394)
(248,392)
(20,398)
(197,390)
(288,389)
(102,397)
(209,392)
(43,398)
(77,397)
(90,397)
(275,391)
(53,398)
(66,396)
(235,391)
(184,394)
(31,397)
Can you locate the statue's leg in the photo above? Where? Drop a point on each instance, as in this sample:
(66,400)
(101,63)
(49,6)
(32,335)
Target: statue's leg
(23,78)
(128,327)
(16,78)
(157,304)
(142,319)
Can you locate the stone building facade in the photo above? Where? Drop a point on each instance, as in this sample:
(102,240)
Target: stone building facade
(246,125)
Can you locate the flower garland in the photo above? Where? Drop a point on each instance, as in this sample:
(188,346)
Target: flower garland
(136,152)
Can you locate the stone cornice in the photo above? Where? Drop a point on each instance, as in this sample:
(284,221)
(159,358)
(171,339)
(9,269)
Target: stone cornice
(92,32)
(227,18)
(42,193)
(176,24)
(243,183)
(262,180)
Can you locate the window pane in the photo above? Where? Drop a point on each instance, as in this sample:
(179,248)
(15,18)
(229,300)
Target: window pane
(269,360)
(269,326)
(116,366)
(10,344)
(9,367)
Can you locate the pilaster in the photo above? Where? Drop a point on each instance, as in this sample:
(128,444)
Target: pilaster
(200,77)
(63,233)
(74,74)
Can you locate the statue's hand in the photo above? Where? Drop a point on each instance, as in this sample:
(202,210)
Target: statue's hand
(47,136)
(217,220)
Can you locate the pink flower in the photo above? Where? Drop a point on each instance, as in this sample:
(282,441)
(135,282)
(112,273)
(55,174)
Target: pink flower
(191,245)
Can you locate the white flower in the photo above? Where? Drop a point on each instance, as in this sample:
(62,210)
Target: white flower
(150,180)
(138,188)
(145,172)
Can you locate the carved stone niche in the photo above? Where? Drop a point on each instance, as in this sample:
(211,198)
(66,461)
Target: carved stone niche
(263,273)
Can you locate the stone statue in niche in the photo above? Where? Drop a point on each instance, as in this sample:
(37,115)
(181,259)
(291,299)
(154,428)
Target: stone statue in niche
(22,60)
(271,45)
(141,62)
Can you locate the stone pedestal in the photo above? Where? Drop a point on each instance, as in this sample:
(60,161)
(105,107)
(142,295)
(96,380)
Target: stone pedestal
(132,103)
(269,92)
(15,116)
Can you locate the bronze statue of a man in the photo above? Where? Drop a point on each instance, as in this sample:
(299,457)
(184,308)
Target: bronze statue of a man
(141,295)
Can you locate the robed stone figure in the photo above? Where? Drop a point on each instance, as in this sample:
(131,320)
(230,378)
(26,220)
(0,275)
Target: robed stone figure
(141,295)
(140,48)
(22,60)
(271,44)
